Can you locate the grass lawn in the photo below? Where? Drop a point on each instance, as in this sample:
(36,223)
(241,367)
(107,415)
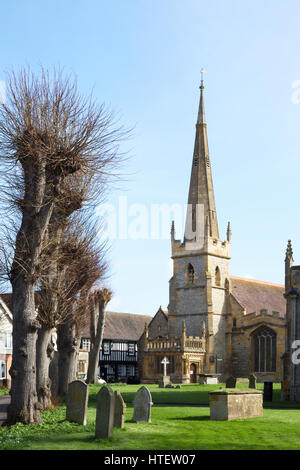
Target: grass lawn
(172,427)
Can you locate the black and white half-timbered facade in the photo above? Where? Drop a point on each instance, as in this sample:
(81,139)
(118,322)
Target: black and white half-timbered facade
(118,361)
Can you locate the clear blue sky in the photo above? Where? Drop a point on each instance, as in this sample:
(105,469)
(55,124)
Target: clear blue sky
(143,57)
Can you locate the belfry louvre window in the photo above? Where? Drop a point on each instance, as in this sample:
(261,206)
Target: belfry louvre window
(190,273)
(264,342)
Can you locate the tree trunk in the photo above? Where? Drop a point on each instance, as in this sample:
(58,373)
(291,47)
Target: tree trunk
(67,353)
(44,355)
(92,373)
(24,406)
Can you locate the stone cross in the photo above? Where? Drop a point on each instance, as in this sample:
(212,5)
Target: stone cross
(165,361)
(142,405)
(77,400)
(105,413)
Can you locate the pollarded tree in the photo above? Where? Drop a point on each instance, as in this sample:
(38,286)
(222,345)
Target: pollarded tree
(98,302)
(85,267)
(48,132)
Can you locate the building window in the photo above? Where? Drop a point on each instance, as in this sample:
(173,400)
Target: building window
(2,370)
(234,323)
(8,340)
(131,349)
(264,344)
(217,276)
(106,348)
(190,273)
(81,367)
(85,344)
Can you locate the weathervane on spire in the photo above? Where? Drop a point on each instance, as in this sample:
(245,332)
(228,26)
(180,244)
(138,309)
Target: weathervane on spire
(202,71)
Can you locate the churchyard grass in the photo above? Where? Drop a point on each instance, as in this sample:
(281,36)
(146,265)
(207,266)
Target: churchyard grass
(4,391)
(172,427)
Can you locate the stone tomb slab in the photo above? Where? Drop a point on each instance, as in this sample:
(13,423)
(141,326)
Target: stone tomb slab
(228,404)
(77,401)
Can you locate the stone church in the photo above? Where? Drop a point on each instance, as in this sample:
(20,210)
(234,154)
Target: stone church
(216,325)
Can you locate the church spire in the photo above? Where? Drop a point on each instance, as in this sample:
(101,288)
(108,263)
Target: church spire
(201,186)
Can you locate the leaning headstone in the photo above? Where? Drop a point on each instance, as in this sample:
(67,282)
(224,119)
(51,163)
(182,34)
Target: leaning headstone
(120,409)
(142,405)
(231,382)
(77,400)
(105,413)
(252,381)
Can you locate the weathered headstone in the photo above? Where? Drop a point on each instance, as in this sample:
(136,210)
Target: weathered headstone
(252,381)
(231,382)
(268,391)
(77,400)
(178,386)
(105,413)
(120,409)
(142,405)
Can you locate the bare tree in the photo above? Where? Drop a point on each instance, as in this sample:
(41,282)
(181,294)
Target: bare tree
(98,302)
(86,267)
(48,132)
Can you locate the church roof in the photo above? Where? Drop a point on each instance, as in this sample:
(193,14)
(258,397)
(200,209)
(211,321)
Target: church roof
(255,295)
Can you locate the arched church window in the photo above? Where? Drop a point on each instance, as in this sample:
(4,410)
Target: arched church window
(264,346)
(217,276)
(234,323)
(190,273)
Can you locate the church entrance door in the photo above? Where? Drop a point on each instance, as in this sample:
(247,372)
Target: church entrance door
(193,377)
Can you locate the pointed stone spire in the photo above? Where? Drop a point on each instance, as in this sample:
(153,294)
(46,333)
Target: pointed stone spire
(201,111)
(172,230)
(289,252)
(201,185)
(228,232)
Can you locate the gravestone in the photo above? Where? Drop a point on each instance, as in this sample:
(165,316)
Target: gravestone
(233,404)
(77,400)
(105,413)
(120,409)
(268,391)
(231,382)
(252,381)
(142,405)
(178,386)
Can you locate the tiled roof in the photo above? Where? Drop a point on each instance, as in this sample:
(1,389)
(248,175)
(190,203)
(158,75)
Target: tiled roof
(124,326)
(254,295)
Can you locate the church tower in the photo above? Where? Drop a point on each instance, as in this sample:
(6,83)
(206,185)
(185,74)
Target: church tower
(201,262)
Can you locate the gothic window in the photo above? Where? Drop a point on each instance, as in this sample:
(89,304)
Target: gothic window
(234,323)
(264,346)
(217,276)
(190,273)
(194,218)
